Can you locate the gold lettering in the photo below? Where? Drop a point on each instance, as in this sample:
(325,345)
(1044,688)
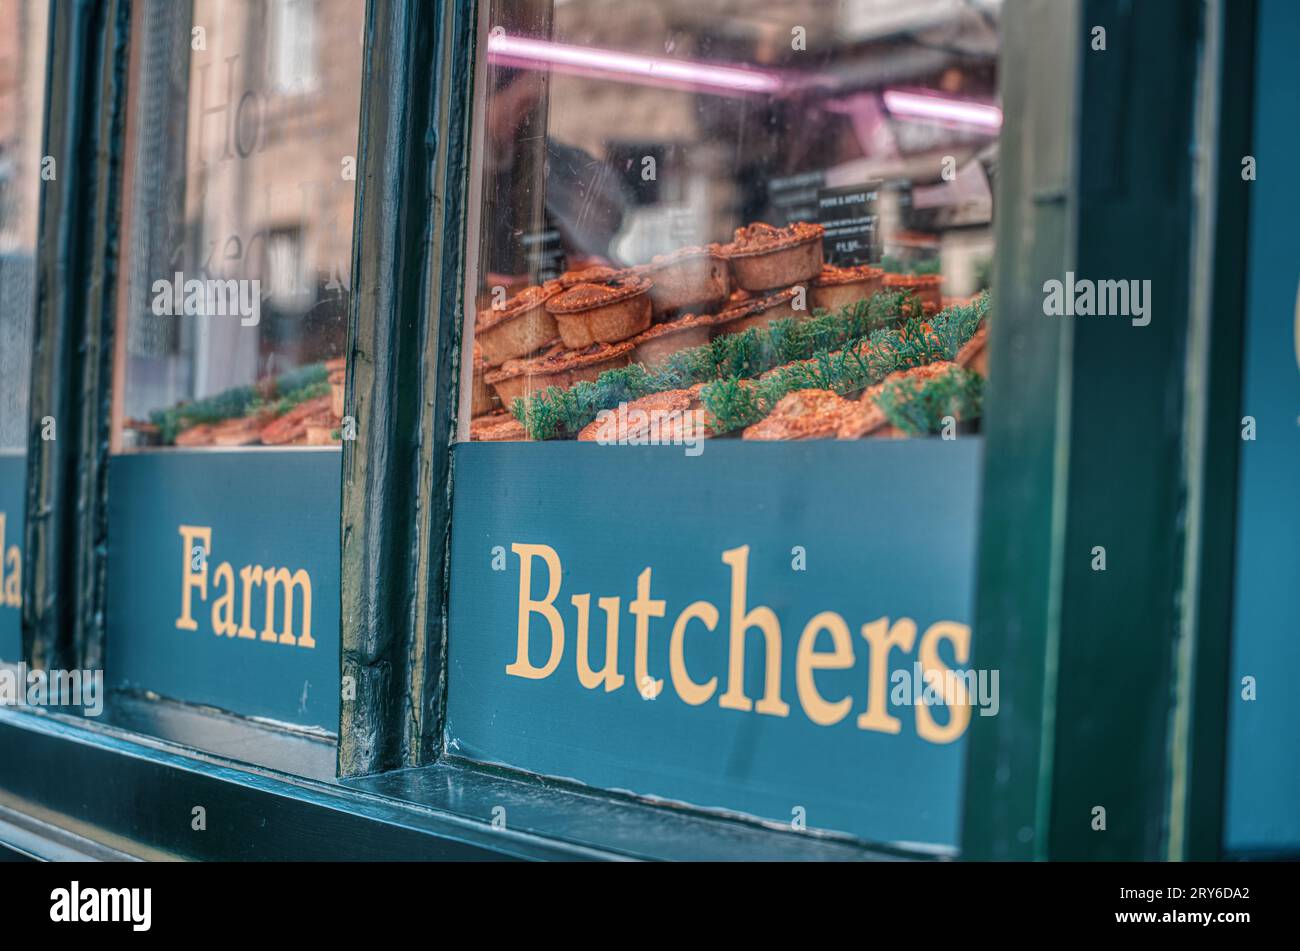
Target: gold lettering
(644,608)
(764,619)
(955,696)
(196,552)
(13,594)
(287,583)
(223,609)
(250,575)
(522,666)
(942,685)
(821,711)
(191,579)
(691,692)
(11,571)
(882,639)
(609,674)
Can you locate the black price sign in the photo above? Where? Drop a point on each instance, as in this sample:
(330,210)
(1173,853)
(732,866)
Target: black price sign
(851,218)
(794,197)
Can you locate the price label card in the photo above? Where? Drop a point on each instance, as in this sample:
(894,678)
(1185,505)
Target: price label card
(851,218)
(794,197)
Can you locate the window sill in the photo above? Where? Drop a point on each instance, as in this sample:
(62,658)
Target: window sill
(125,795)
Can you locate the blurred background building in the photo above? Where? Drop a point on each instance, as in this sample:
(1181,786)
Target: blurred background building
(244,141)
(23,25)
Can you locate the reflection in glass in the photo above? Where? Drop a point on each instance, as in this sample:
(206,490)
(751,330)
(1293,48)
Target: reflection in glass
(23,28)
(756,220)
(241,181)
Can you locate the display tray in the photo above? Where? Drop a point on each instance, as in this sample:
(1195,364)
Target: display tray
(820,535)
(196,625)
(13,477)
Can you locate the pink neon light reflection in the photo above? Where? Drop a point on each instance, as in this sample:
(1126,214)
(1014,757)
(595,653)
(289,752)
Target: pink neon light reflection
(653,70)
(917,106)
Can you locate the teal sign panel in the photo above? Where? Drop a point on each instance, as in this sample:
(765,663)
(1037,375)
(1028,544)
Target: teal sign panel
(13,477)
(1263,788)
(223,580)
(747,630)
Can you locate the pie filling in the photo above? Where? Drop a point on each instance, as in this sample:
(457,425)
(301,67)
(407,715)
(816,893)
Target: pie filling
(762,238)
(831,275)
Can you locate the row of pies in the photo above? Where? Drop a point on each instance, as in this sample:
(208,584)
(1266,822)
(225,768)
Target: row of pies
(802,414)
(586,322)
(313,422)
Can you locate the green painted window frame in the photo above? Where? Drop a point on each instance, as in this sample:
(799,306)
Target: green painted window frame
(1128,199)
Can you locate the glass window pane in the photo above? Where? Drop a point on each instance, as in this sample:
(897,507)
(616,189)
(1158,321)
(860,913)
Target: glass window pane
(653,190)
(224,486)
(240,222)
(23,39)
(718,468)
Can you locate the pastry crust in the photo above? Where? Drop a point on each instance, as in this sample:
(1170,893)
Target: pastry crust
(557,367)
(618,427)
(596,274)
(589,313)
(919,375)
(693,278)
(587,365)
(292,426)
(481,394)
(321,433)
(199,434)
(837,287)
(880,426)
(661,341)
(242,431)
(823,414)
(758,312)
(338,385)
(974,354)
(763,257)
(236,431)
(511,381)
(810,414)
(869,421)
(522,377)
(925,286)
(497,427)
(663,415)
(520,327)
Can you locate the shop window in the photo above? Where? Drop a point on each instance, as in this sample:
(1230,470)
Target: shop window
(651,195)
(23,45)
(723,370)
(228,402)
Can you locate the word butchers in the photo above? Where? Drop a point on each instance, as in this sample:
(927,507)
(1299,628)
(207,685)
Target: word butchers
(825,646)
(232,608)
